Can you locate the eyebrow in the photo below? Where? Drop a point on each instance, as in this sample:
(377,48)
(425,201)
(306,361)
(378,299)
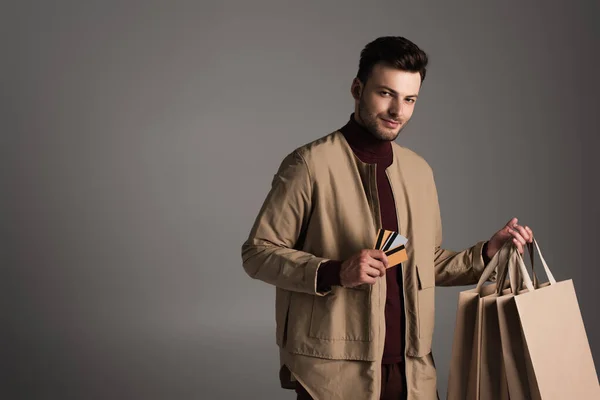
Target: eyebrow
(394,92)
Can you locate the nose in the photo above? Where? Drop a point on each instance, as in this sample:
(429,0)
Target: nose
(395,108)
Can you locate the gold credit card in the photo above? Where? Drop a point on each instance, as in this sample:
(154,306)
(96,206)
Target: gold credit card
(394,246)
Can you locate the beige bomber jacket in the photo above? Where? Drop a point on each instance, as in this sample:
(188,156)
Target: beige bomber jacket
(323,205)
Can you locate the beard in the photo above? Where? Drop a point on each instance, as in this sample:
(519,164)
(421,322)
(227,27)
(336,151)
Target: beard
(373,123)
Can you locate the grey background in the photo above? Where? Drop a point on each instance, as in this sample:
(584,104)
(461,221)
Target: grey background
(138,141)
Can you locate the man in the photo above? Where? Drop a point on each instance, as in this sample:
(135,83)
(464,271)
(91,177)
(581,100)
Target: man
(350,326)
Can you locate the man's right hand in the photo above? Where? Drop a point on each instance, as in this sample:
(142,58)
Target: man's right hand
(363,267)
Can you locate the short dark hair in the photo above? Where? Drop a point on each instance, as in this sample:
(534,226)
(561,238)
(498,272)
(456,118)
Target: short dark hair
(393,51)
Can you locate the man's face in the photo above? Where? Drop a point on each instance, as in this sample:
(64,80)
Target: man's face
(386,102)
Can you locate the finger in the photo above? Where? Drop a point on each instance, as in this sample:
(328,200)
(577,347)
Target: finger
(512,222)
(378,265)
(372,272)
(518,236)
(530,232)
(366,278)
(519,245)
(379,255)
(507,230)
(524,233)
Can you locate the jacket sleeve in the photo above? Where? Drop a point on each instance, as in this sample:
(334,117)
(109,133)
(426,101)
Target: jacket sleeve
(271,253)
(455,268)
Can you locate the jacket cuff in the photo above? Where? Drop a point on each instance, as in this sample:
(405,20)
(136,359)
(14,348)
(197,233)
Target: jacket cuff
(312,272)
(328,275)
(484,255)
(478,261)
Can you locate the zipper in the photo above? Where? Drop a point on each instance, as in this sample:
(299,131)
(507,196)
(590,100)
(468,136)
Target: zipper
(403,294)
(378,225)
(375,210)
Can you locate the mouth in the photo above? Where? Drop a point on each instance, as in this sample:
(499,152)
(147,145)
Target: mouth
(390,123)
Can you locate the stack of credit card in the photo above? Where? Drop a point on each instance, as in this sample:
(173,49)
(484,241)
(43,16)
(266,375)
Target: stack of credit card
(393,245)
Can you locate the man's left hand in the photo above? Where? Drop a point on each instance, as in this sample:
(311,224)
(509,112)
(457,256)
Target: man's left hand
(520,235)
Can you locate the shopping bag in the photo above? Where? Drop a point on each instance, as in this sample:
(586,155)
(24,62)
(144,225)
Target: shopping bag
(476,370)
(513,351)
(491,370)
(555,348)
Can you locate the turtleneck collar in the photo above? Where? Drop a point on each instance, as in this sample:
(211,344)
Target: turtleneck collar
(367,147)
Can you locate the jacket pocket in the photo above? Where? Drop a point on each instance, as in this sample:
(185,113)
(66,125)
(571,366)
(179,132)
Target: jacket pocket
(426,303)
(342,315)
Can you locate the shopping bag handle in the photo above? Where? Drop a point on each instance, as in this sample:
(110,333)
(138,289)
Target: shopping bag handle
(507,270)
(487,272)
(525,275)
(512,272)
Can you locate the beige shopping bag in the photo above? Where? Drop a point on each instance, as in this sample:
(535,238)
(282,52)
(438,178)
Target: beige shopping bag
(513,350)
(555,348)
(476,370)
(492,371)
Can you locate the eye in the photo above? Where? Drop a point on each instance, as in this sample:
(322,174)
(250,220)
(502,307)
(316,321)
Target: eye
(385,93)
(411,100)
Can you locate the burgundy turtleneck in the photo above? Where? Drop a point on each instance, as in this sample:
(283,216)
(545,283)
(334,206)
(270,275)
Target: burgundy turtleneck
(371,150)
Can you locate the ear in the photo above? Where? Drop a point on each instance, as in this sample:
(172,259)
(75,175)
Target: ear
(356,88)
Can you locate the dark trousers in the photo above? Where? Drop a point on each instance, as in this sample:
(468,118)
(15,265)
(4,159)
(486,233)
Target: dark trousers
(392,384)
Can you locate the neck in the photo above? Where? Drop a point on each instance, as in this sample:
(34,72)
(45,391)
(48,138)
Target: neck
(366,146)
